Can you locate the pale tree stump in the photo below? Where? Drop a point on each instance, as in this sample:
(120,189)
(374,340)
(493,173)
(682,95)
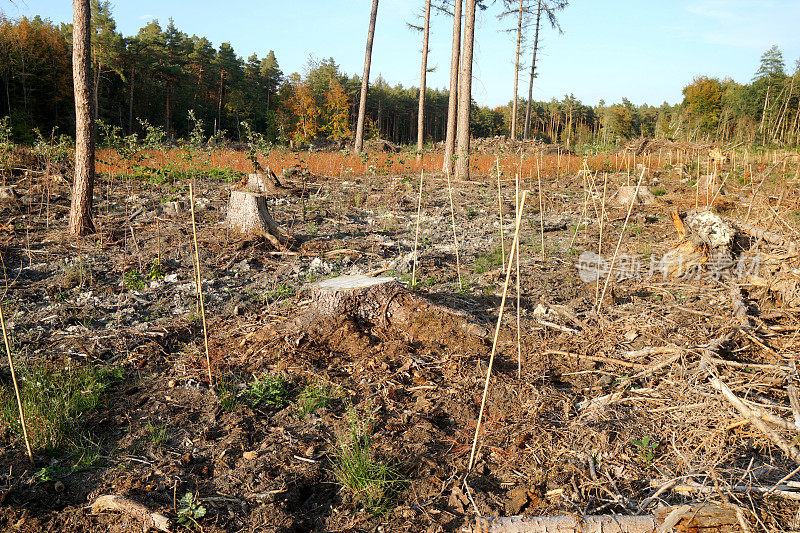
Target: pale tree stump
(269,184)
(627,195)
(385,303)
(248,213)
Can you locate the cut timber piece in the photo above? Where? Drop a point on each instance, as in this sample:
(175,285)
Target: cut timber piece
(385,303)
(148,519)
(248,213)
(628,194)
(695,517)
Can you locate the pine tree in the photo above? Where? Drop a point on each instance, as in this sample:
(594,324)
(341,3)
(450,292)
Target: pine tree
(80,212)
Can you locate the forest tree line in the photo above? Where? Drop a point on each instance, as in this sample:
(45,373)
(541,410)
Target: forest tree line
(156,76)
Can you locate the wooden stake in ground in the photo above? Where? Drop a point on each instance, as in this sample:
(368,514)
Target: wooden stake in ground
(416,235)
(16,386)
(599,303)
(497,331)
(519,294)
(600,241)
(500,207)
(541,208)
(199,286)
(455,237)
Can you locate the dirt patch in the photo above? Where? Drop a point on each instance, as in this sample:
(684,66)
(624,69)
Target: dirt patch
(594,413)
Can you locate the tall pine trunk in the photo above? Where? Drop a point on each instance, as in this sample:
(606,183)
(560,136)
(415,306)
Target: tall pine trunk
(465,93)
(422,80)
(516,73)
(218,126)
(533,71)
(80,212)
(452,103)
(130,102)
(362,103)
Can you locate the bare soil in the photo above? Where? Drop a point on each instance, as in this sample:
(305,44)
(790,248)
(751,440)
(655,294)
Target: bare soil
(544,447)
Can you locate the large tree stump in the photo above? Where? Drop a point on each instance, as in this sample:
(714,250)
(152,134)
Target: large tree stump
(628,194)
(385,303)
(269,184)
(249,214)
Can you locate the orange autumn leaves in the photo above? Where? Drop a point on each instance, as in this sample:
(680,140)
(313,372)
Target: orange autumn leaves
(315,116)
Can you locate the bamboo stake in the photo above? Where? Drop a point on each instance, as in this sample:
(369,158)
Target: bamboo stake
(541,209)
(199,287)
(16,387)
(519,297)
(500,206)
(455,238)
(497,331)
(416,236)
(599,303)
(600,242)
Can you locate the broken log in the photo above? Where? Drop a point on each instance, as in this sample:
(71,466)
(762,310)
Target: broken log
(148,519)
(695,517)
(385,303)
(249,214)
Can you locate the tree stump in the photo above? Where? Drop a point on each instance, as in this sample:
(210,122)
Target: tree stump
(173,209)
(249,214)
(385,303)
(628,194)
(7,194)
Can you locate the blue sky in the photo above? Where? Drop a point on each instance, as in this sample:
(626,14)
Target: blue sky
(644,50)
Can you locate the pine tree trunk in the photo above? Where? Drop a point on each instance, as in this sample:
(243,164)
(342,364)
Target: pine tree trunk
(219,105)
(516,74)
(465,94)
(422,79)
(533,71)
(452,103)
(80,212)
(362,103)
(130,103)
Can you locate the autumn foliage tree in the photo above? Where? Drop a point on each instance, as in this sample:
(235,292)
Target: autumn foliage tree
(703,101)
(337,111)
(305,109)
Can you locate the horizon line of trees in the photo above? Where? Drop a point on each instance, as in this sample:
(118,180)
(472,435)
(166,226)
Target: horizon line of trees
(159,74)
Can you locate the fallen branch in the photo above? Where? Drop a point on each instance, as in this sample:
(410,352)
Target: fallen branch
(149,519)
(768,236)
(753,417)
(595,358)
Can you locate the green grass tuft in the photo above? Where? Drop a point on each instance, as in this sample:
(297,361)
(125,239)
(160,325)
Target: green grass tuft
(56,403)
(374,483)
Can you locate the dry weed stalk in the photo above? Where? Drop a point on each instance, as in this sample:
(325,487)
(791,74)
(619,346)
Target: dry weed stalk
(514,245)
(199,286)
(16,387)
